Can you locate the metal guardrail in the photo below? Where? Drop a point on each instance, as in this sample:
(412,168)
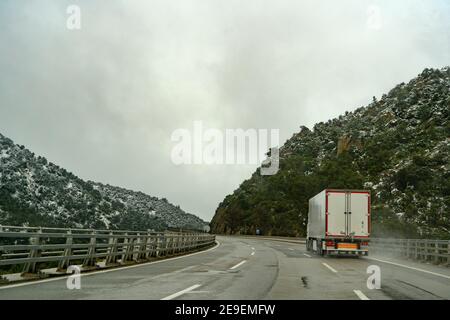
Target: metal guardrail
(32,246)
(435,251)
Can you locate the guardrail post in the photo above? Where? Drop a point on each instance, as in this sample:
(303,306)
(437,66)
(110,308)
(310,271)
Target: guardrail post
(154,252)
(151,246)
(142,247)
(189,241)
(90,259)
(422,251)
(67,252)
(136,243)
(111,256)
(408,249)
(124,247)
(162,245)
(404,249)
(416,252)
(419,251)
(158,245)
(165,244)
(426,251)
(30,267)
(148,246)
(173,247)
(176,243)
(179,242)
(131,247)
(429,251)
(140,244)
(436,252)
(184,242)
(448,254)
(169,244)
(146,253)
(128,248)
(183,246)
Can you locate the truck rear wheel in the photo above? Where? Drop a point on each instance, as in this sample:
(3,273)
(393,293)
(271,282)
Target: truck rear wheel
(319,248)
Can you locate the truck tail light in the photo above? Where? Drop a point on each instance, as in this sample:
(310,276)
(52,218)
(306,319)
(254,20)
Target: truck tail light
(364,243)
(330,243)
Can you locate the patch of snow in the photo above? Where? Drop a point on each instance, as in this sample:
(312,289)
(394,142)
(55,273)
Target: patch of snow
(4,154)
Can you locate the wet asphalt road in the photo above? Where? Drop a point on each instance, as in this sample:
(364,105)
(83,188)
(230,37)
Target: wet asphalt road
(249,268)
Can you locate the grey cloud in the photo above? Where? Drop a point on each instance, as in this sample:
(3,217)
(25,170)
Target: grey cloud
(103,101)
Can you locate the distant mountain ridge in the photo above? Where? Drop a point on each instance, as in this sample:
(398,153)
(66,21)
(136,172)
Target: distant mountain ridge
(35,192)
(397,147)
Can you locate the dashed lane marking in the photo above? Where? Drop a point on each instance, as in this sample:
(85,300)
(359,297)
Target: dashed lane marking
(329,267)
(179,293)
(361,295)
(238,265)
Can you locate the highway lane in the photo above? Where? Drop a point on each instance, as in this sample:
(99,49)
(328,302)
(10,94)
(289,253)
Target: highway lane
(339,277)
(245,268)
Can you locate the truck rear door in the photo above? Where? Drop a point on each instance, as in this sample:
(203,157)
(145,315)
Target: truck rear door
(359,210)
(336,213)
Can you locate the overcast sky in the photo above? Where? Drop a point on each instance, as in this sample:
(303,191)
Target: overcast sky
(103,101)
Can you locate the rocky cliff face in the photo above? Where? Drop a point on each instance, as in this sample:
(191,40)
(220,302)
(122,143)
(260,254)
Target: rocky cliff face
(397,147)
(36,192)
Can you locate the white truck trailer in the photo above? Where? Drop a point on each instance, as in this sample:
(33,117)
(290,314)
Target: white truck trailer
(339,222)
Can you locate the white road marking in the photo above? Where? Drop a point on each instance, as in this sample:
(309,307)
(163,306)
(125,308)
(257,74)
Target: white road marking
(108,270)
(291,249)
(361,295)
(238,265)
(253,248)
(412,268)
(179,293)
(329,267)
(307,255)
(253,253)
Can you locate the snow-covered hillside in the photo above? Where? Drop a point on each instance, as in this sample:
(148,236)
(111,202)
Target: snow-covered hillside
(36,192)
(398,147)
